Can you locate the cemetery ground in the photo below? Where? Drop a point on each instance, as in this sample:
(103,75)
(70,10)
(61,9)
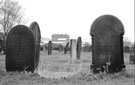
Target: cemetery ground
(84,77)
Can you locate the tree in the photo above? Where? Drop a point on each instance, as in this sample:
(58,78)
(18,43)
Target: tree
(10,14)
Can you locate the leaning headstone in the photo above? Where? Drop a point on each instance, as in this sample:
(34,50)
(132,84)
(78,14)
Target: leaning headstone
(20,49)
(79,47)
(66,48)
(73,50)
(36,30)
(107,44)
(49,47)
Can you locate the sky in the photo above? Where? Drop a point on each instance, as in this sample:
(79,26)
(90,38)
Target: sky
(75,17)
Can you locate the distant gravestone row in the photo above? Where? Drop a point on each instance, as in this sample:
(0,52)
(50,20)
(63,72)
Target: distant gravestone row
(22,48)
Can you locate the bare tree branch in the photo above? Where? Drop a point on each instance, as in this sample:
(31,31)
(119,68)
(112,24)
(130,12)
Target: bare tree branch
(10,14)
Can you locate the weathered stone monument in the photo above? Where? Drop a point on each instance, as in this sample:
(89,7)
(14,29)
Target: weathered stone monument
(36,30)
(79,47)
(49,47)
(73,49)
(107,44)
(20,49)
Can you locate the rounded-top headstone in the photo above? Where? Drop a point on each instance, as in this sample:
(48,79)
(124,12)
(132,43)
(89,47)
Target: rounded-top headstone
(36,30)
(107,43)
(79,47)
(20,49)
(104,22)
(50,47)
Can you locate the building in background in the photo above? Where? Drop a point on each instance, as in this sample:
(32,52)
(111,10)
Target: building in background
(60,39)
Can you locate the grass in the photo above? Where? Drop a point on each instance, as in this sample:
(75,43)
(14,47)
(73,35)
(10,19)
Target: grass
(84,77)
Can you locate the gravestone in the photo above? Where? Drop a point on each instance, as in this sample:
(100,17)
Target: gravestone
(20,49)
(79,47)
(0,45)
(107,44)
(49,47)
(132,56)
(87,48)
(60,48)
(44,48)
(4,46)
(66,48)
(36,30)
(126,49)
(73,49)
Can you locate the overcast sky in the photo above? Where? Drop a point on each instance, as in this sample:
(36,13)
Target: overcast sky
(74,17)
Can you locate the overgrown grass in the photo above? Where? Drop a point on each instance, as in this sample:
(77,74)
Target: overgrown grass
(85,77)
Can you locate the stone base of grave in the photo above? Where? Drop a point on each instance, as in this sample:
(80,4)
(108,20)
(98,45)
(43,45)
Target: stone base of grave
(58,71)
(107,68)
(77,61)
